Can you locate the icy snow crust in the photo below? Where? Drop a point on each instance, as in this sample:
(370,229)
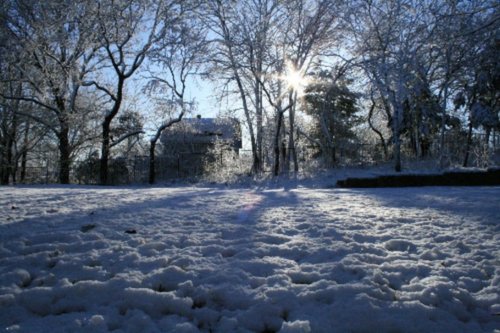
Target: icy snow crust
(249,260)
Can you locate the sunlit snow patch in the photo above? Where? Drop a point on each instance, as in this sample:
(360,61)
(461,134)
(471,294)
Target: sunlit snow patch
(251,203)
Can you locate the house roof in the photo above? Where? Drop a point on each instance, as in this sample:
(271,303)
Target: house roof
(204,131)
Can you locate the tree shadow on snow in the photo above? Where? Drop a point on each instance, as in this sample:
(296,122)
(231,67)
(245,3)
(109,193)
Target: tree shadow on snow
(477,203)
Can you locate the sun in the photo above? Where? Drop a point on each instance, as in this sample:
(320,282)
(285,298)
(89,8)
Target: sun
(295,79)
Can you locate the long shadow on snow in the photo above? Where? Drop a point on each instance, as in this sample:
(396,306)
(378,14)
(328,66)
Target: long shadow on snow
(76,219)
(459,201)
(241,263)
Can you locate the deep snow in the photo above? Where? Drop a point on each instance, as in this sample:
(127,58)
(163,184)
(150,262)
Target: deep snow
(249,260)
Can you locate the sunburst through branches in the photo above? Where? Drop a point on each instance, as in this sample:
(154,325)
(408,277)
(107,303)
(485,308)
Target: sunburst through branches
(295,79)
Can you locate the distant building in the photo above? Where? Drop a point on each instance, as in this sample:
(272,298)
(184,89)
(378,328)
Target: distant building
(186,145)
(197,135)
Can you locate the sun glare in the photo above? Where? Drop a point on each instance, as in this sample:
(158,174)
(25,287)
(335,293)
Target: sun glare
(295,79)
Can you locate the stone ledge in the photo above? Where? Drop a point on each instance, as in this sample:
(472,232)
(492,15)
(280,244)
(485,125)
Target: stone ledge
(491,177)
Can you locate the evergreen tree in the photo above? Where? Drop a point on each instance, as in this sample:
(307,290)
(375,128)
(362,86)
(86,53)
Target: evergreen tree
(333,107)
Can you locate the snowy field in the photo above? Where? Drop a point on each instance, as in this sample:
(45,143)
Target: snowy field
(294,259)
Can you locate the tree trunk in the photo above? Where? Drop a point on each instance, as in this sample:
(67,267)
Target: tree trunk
(333,158)
(154,140)
(243,96)
(258,160)
(64,156)
(418,147)
(487,137)
(8,161)
(379,134)
(467,147)
(106,129)
(11,139)
(487,145)
(329,137)
(443,129)
(397,153)
(152,171)
(103,170)
(246,110)
(24,156)
(284,155)
(24,160)
(2,158)
(292,154)
(397,139)
(277,144)
(2,165)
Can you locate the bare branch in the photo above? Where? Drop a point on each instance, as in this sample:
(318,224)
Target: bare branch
(125,136)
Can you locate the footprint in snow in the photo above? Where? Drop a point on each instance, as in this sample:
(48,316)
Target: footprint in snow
(400,245)
(87,227)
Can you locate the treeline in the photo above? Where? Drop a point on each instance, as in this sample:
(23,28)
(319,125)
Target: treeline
(311,72)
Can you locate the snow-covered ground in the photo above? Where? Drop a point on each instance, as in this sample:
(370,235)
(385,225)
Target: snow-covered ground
(293,259)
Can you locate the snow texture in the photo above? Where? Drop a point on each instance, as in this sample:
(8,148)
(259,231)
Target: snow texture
(293,259)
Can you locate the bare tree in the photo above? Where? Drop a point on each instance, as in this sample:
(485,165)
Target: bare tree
(128,30)
(9,126)
(375,104)
(389,36)
(180,55)
(260,42)
(224,24)
(310,32)
(259,23)
(465,30)
(55,54)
